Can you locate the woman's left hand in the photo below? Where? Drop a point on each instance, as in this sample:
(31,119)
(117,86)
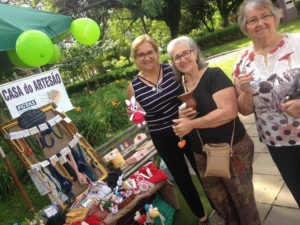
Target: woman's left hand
(292,108)
(188,112)
(183,126)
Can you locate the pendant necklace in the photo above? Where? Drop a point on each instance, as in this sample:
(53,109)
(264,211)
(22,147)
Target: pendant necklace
(155,87)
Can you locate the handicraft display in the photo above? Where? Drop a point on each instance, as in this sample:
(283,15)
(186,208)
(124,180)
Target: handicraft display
(60,162)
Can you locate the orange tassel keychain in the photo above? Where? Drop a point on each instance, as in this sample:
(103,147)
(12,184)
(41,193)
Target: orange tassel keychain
(181,143)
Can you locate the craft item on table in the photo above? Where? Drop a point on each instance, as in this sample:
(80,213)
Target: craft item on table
(77,215)
(137,116)
(99,190)
(46,133)
(155,175)
(105,204)
(139,138)
(112,177)
(137,156)
(82,165)
(114,208)
(149,219)
(31,118)
(140,219)
(98,211)
(138,185)
(154,213)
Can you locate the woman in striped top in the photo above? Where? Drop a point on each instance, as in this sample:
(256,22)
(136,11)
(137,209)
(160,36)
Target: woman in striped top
(156,91)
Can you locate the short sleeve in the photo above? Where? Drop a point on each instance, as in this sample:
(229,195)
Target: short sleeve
(218,80)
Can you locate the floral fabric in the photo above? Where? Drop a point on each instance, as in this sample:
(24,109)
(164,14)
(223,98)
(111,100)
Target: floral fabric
(233,198)
(272,80)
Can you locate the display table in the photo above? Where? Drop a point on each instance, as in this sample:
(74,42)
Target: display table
(165,189)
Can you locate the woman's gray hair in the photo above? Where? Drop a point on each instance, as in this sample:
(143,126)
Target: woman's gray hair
(265,4)
(193,46)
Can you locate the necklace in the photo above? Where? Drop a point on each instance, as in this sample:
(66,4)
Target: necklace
(155,87)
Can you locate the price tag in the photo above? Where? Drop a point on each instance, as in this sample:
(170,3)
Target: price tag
(58,118)
(13,135)
(25,133)
(43,126)
(45,163)
(73,142)
(67,119)
(52,122)
(33,130)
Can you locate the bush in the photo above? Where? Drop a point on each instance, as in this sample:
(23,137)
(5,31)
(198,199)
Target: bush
(100,114)
(219,37)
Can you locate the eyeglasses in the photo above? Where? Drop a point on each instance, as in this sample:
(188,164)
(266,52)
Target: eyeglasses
(185,54)
(142,55)
(255,21)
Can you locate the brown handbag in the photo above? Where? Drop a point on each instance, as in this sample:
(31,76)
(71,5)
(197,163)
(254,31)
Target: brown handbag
(218,157)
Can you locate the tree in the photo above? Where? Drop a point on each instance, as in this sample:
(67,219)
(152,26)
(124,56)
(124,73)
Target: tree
(226,8)
(197,13)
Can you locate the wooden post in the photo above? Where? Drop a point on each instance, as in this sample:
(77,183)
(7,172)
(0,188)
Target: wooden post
(16,180)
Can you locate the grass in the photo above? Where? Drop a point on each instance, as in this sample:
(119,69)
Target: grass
(185,215)
(13,207)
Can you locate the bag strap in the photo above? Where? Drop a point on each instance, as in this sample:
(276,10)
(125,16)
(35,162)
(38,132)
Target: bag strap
(232,136)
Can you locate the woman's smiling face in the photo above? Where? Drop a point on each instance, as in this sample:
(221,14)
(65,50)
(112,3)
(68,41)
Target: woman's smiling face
(260,23)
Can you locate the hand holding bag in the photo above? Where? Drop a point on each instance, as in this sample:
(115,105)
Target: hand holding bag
(218,157)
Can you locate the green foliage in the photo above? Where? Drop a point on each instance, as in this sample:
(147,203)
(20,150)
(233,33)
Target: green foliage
(13,208)
(102,113)
(6,182)
(218,37)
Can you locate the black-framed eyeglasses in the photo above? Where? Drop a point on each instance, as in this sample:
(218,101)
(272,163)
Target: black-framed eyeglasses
(142,55)
(255,21)
(185,55)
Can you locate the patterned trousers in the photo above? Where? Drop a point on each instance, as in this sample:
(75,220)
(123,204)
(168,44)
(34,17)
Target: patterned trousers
(233,199)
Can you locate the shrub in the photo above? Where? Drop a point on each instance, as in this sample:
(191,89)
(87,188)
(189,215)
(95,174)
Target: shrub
(218,37)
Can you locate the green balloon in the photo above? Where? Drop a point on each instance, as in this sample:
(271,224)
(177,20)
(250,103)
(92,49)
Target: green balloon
(34,48)
(13,57)
(86,31)
(55,55)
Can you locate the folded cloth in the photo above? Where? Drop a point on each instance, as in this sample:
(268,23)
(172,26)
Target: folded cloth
(155,175)
(77,215)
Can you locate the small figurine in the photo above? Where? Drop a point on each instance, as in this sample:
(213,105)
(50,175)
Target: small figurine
(137,116)
(114,208)
(140,219)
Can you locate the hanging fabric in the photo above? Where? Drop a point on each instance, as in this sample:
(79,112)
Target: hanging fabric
(82,165)
(66,184)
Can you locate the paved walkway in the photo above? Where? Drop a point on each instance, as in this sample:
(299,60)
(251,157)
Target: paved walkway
(274,201)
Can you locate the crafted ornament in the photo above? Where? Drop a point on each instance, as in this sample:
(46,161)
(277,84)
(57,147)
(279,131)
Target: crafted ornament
(137,116)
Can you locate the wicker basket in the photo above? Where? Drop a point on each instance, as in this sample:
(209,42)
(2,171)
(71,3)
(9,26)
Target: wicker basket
(164,209)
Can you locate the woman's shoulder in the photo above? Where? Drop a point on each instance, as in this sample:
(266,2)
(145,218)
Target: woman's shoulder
(214,71)
(293,36)
(166,66)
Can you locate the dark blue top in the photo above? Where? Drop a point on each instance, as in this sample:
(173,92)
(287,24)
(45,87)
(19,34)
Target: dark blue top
(160,107)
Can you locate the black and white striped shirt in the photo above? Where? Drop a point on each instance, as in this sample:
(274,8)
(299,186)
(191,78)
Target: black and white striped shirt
(160,107)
